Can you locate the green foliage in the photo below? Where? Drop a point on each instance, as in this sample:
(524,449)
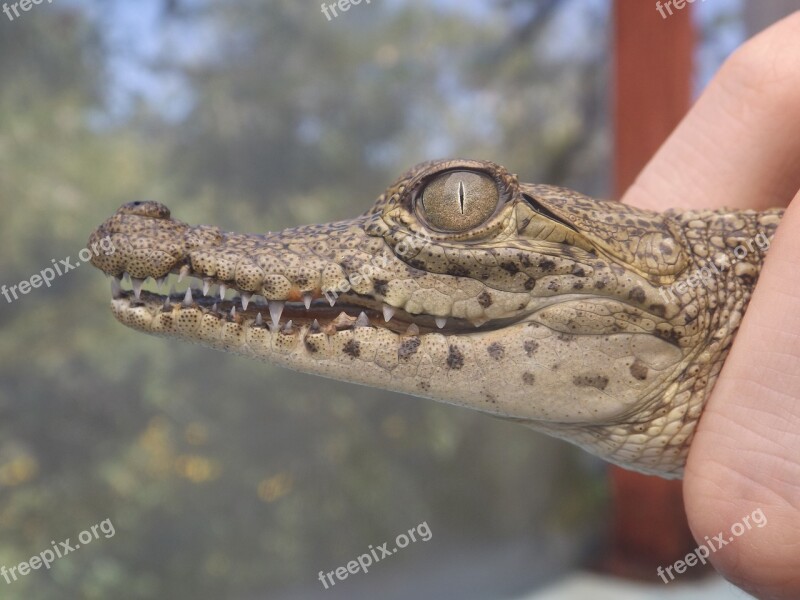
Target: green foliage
(225,477)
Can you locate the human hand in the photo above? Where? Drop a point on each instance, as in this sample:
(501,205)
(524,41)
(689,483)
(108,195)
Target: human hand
(739,147)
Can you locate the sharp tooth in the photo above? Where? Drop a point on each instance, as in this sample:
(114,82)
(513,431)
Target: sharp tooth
(187,299)
(259,320)
(206,286)
(222,290)
(214,307)
(233,312)
(388,312)
(167,306)
(307,297)
(441,322)
(343,321)
(126,277)
(315,328)
(412,330)
(331,299)
(161,281)
(116,288)
(185,270)
(246,299)
(288,327)
(137,287)
(275,311)
(363,320)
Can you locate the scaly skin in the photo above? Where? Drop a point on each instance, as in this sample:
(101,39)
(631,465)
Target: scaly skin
(599,323)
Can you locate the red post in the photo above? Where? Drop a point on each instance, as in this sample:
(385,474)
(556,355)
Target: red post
(652,92)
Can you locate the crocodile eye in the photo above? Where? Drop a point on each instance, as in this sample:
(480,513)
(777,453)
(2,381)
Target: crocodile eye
(459,200)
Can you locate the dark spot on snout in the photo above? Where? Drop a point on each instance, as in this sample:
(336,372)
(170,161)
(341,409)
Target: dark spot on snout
(485,299)
(596,381)
(667,333)
(509,266)
(528,378)
(496,350)
(455,358)
(637,294)
(408,348)
(458,271)
(530,347)
(547,265)
(352,348)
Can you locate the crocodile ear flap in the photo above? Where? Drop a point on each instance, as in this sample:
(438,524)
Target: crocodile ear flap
(643,240)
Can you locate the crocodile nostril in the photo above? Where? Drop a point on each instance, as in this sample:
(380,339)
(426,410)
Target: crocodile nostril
(145,208)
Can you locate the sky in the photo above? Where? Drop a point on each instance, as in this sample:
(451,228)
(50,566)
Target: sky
(136,38)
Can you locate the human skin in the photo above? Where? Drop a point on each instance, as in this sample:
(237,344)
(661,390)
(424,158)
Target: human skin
(739,147)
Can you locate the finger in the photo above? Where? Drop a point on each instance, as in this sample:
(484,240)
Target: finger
(746,454)
(739,146)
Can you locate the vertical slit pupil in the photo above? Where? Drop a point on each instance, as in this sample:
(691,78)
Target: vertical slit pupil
(461,195)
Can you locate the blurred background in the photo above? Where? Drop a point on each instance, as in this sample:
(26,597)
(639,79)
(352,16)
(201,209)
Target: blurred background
(228,478)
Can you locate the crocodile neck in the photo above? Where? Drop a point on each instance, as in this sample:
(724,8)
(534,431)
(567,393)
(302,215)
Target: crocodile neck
(728,249)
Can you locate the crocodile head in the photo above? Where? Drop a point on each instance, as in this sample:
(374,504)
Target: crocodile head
(528,302)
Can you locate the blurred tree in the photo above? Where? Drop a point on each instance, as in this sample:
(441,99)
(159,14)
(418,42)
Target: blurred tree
(223,476)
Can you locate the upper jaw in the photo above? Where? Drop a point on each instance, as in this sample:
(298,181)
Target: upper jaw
(334,274)
(284,266)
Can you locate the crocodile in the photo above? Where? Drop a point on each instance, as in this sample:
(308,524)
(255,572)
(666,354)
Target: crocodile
(589,320)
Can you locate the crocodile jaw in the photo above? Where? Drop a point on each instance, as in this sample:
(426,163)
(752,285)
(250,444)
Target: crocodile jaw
(519,372)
